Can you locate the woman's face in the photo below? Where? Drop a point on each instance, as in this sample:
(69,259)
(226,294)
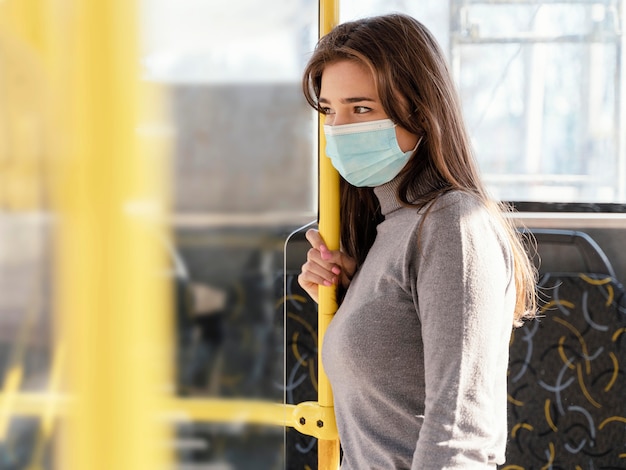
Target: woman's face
(348,95)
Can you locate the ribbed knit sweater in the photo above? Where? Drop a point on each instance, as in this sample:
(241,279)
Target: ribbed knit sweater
(417,352)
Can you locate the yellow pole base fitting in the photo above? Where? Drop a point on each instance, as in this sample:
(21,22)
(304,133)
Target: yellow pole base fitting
(314,420)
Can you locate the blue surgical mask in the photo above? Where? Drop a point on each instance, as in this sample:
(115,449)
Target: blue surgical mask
(366,153)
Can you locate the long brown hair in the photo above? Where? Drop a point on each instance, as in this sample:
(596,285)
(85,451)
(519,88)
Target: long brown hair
(417,92)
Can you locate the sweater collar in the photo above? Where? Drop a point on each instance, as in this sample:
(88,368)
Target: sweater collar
(387,195)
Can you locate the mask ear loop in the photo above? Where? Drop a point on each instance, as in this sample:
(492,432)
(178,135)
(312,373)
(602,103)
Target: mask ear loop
(421,137)
(419,140)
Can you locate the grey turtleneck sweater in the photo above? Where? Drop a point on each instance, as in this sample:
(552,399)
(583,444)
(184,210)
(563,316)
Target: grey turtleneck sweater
(417,352)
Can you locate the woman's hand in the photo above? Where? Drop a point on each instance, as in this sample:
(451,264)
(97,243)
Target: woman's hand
(324,267)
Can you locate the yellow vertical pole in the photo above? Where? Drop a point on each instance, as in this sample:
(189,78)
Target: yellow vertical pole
(112,289)
(30,20)
(23,105)
(328,451)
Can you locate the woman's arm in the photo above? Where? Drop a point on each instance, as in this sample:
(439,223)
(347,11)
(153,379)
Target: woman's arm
(466,296)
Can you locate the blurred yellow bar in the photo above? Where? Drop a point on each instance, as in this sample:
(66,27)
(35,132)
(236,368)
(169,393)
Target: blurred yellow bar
(111,300)
(12,382)
(35,404)
(23,105)
(327,450)
(230,411)
(49,415)
(303,416)
(26,17)
(113,296)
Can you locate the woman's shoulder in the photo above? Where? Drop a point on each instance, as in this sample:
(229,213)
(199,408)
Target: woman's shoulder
(459,211)
(457,202)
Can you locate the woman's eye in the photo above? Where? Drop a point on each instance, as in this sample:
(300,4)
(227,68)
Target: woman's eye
(361,109)
(326,110)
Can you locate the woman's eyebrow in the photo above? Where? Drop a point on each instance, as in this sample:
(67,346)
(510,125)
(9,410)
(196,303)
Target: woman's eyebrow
(355,99)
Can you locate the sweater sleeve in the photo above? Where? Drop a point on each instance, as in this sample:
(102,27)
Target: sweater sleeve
(465,297)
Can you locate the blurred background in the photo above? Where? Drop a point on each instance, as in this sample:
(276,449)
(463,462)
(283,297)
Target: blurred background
(543,90)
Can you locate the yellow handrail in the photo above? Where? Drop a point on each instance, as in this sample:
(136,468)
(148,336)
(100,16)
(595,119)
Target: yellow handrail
(113,297)
(112,312)
(304,416)
(327,450)
(49,414)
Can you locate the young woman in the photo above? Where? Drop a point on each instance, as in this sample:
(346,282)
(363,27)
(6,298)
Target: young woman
(433,274)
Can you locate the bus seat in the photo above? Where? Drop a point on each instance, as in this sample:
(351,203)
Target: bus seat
(567,367)
(556,250)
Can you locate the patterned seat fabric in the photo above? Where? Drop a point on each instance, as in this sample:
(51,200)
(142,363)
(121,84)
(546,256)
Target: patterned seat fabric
(567,378)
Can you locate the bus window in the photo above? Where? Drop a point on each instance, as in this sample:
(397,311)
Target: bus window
(244,134)
(540,84)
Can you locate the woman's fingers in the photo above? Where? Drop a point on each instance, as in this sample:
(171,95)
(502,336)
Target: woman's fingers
(315,239)
(324,267)
(348,265)
(319,270)
(313,276)
(317,243)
